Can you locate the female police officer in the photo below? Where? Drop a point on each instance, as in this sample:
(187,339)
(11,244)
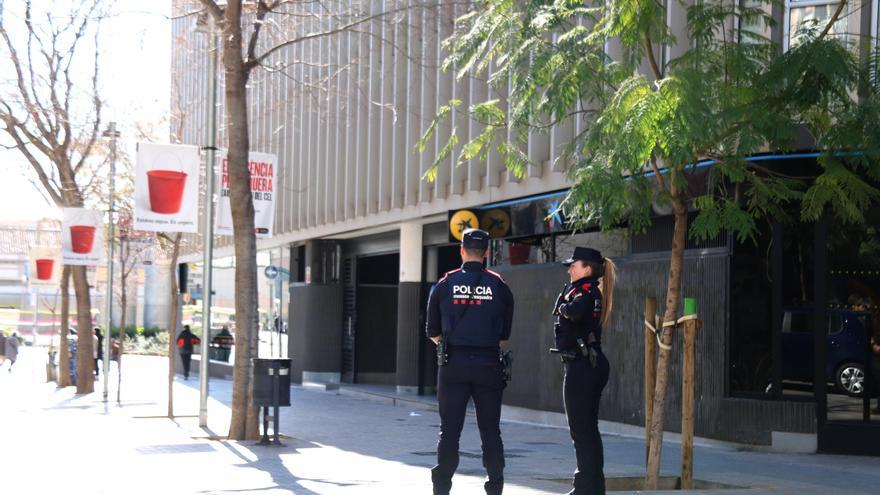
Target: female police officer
(581,310)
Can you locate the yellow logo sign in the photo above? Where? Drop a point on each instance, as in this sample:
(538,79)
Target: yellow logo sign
(496,222)
(461,221)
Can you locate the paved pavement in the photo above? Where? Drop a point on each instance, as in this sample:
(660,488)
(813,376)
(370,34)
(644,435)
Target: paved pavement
(52,441)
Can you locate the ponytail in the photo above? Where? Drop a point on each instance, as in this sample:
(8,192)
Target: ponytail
(606,286)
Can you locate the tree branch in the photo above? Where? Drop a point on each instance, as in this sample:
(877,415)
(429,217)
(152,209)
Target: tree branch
(214,10)
(649,51)
(831,21)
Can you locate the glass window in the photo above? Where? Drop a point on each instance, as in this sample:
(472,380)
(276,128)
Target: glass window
(523,251)
(806,15)
(755,27)
(611,244)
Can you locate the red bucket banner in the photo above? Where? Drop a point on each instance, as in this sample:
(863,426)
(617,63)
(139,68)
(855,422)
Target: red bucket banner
(82,237)
(44,268)
(166,188)
(44,264)
(262,168)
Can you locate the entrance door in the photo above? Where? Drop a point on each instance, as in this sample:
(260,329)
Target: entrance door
(375,343)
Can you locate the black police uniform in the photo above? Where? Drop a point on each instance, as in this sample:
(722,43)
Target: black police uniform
(472,309)
(578,334)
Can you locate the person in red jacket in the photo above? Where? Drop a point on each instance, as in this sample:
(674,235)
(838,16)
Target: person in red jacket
(186,341)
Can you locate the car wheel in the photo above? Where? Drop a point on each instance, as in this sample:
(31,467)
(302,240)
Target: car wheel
(850,379)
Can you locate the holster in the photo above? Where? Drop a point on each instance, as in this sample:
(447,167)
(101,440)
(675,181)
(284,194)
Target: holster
(442,354)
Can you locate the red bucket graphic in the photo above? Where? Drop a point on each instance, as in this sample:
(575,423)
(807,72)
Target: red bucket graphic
(166,190)
(81,238)
(44,268)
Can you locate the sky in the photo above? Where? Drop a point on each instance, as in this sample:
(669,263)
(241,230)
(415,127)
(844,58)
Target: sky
(135,85)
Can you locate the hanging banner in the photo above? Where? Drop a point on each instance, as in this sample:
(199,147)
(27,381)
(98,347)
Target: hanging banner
(44,266)
(166,188)
(262,168)
(82,237)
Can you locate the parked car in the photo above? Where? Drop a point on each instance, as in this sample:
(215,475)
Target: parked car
(846,339)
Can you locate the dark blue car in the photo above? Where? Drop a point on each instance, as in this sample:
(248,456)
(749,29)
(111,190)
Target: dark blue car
(846,339)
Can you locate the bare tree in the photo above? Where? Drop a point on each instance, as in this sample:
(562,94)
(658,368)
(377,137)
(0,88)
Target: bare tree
(50,120)
(131,246)
(171,245)
(63,348)
(253,34)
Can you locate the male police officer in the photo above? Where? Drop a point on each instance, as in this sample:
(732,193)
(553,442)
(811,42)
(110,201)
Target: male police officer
(470,312)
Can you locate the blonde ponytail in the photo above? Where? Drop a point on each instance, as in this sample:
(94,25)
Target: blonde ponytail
(606,286)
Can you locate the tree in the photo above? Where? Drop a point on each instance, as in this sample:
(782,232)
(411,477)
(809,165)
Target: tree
(50,120)
(171,246)
(131,247)
(725,94)
(63,348)
(235,21)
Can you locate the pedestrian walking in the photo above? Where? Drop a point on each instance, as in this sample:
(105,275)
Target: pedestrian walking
(186,341)
(582,309)
(470,312)
(99,348)
(11,350)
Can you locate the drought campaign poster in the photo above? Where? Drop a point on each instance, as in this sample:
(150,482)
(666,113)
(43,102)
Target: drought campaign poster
(82,237)
(166,188)
(262,168)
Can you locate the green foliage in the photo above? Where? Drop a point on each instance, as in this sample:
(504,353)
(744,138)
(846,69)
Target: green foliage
(133,331)
(728,96)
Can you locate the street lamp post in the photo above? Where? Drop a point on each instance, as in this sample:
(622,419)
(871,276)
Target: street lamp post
(113,135)
(208,229)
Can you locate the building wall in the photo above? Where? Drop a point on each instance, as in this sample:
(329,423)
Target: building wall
(346,146)
(537,379)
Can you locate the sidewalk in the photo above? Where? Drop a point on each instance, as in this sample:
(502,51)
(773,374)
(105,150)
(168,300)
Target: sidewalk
(56,442)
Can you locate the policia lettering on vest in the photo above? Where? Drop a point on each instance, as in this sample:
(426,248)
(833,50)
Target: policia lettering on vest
(581,309)
(470,312)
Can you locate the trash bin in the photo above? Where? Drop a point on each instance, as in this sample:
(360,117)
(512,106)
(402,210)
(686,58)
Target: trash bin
(265,371)
(271,389)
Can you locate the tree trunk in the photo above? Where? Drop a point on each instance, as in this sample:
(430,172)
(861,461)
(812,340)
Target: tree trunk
(63,349)
(172,324)
(123,302)
(243,423)
(673,298)
(85,359)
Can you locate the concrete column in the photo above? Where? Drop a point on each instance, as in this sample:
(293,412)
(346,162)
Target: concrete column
(157,285)
(409,308)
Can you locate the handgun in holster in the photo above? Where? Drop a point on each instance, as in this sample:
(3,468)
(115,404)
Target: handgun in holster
(589,352)
(442,355)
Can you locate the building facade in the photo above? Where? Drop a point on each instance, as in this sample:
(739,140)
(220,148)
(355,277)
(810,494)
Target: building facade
(364,235)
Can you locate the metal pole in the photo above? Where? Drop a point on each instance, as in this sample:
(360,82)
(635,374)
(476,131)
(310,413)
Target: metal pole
(112,133)
(208,237)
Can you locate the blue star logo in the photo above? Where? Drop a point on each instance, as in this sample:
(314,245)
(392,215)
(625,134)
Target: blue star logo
(554,215)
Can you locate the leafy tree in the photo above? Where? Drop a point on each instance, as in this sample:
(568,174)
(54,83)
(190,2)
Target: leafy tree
(725,94)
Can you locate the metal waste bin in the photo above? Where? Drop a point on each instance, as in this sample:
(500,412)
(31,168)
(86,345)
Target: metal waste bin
(265,372)
(271,389)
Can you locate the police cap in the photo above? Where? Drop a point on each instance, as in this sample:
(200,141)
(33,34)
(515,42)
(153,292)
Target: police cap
(475,239)
(588,255)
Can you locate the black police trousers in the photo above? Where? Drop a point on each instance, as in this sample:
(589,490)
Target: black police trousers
(470,374)
(581,390)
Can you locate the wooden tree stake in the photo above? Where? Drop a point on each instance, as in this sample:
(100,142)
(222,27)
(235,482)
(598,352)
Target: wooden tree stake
(650,368)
